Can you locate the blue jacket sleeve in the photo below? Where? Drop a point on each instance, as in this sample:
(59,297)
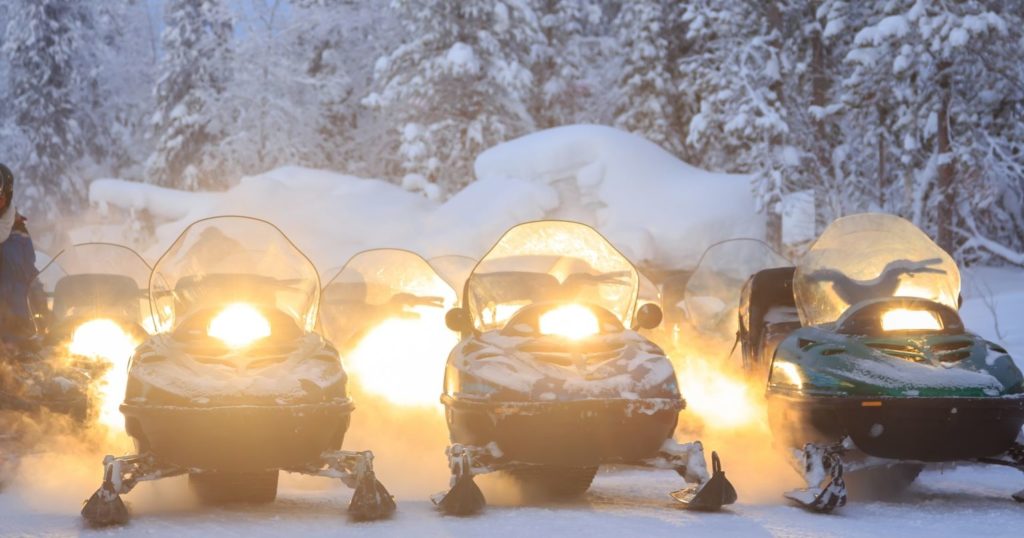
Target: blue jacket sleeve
(17,270)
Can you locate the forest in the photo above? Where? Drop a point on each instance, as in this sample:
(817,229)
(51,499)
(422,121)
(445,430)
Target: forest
(911,107)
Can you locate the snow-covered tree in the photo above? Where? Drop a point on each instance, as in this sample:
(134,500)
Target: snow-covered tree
(337,43)
(647,89)
(269,103)
(937,88)
(120,93)
(762,75)
(559,60)
(41,41)
(194,71)
(459,84)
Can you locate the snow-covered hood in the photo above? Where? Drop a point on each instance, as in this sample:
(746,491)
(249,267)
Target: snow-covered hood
(308,373)
(621,365)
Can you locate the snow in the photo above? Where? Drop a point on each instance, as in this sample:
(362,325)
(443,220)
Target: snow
(629,187)
(960,502)
(652,206)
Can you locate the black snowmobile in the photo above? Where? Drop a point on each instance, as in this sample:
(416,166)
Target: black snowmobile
(88,305)
(384,310)
(712,293)
(237,386)
(551,379)
(868,366)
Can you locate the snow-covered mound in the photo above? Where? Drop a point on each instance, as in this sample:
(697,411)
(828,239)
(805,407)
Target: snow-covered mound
(651,205)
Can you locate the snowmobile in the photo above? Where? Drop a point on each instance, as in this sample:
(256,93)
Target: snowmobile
(87,305)
(551,378)
(868,367)
(384,310)
(236,386)
(712,293)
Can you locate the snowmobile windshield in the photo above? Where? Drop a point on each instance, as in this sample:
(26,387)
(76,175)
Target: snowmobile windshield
(871,256)
(712,294)
(92,280)
(385,311)
(550,261)
(378,285)
(231,261)
(455,270)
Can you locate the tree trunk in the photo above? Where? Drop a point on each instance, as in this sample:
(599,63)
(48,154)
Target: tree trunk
(945,214)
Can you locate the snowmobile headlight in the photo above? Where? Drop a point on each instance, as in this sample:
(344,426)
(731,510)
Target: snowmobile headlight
(107,341)
(905,319)
(788,373)
(239,325)
(571,321)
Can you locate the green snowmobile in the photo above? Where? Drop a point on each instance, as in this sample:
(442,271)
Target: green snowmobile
(869,367)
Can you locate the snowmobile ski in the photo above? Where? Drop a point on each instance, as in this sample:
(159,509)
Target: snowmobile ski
(711,495)
(829,494)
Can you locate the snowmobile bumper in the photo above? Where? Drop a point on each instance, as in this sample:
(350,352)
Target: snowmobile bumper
(912,428)
(575,433)
(239,438)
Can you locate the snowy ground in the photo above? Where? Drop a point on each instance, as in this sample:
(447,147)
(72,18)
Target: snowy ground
(949,502)
(630,503)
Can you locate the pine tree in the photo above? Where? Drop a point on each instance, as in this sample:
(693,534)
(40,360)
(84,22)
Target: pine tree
(194,71)
(269,103)
(943,83)
(41,40)
(647,87)
(458,85)
(558,60)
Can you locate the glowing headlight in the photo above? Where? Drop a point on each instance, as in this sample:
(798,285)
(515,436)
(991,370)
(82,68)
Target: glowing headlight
(904,319)
(239,325)
(571,321)
(101,339)
(105,340)
(788,372)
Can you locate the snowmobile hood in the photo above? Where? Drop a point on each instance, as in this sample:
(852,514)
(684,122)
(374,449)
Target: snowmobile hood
(497,367)
(817,361)
(164,372)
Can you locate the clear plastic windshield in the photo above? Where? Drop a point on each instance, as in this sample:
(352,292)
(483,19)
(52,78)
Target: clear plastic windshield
(385,310)
(226,261)
(92,280)
(454,269)
(712,294)
(871,256)
(550,261)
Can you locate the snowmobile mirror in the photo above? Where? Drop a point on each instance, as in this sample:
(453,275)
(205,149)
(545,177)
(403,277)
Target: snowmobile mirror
(458,320)
(648,316)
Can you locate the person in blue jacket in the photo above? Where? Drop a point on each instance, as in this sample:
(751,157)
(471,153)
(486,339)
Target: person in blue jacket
(17,266)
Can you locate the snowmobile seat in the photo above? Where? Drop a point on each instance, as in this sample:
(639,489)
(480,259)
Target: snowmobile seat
(767,314)
(673,290)
(114,295)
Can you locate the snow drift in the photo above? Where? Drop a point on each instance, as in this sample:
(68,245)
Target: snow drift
(654,207)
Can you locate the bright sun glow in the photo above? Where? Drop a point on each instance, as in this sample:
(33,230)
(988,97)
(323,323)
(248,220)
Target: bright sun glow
(403,360)
(103,339)
(570,321)
(239,325)
(904,319)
